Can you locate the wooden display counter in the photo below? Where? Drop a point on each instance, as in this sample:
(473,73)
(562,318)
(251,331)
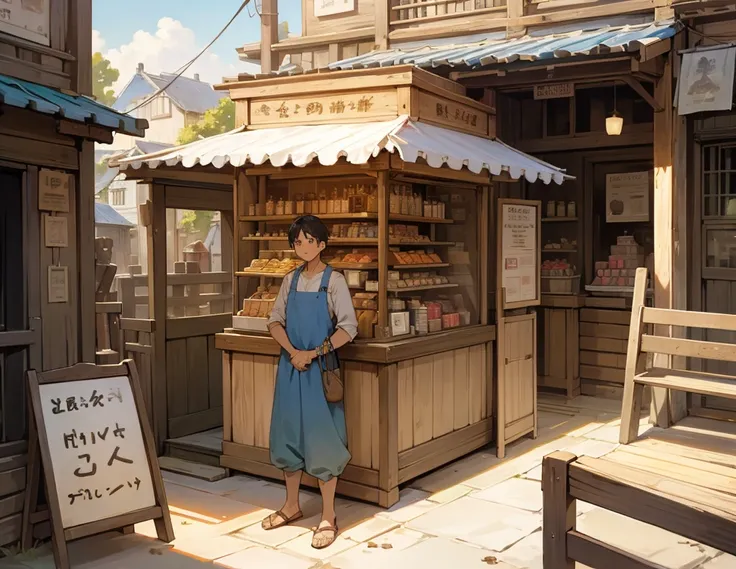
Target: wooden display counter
(411,406)
(559,348)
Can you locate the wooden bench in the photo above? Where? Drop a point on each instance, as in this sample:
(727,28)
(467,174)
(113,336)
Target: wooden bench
(681,479)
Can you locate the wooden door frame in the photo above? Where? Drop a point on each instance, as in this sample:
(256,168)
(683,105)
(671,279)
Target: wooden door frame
(177,195)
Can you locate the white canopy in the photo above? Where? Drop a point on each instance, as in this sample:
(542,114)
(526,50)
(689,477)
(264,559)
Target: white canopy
(357,143)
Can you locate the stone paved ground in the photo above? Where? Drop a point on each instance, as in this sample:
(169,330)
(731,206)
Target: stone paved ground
(476,512)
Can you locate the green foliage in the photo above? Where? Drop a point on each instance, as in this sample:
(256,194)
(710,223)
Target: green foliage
(103,76)
(215,121)
(196,221)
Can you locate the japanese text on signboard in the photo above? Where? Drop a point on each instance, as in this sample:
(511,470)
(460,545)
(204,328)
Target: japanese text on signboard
(96,445)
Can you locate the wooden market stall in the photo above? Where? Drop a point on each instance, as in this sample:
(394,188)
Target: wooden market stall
(401,166)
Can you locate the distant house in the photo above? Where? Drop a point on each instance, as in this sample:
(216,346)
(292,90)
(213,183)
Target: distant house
(109,223)
(123,197)
(184,102)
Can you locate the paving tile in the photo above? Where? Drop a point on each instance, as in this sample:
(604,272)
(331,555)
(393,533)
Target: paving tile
(113,551)
(534,474)
(205,505)
(452,493)
(270,496)
(209,547)
(369,529)
(518,464)
(272,538)
(610,432)
(515,492)
(412,504)
(429,553)
(220,487)
(722,561)
(457,472)
(525,554)
(483,523)
(593,448)
(258,557)
(651,543)
(302,547)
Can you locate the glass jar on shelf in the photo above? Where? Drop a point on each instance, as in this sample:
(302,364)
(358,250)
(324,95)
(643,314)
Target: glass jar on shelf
(323,202)
(279,209)
(270,206)
(394,205)
(314,206)
(299,204)
(333,201)
(345,201)
(372,199)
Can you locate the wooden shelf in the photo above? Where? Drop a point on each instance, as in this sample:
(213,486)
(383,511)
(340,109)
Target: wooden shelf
(399,266)
(555,251)
(259,274)
(328,216)
(558,219)
(354,266)
(332,241)
(426,287)
(417,219)
(421,243)
(345,216)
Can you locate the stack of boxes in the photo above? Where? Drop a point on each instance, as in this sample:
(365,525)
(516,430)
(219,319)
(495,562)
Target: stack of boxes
(620,269)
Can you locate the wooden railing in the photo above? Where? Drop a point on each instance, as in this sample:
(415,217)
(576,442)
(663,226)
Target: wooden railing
(188,294)
(420,11)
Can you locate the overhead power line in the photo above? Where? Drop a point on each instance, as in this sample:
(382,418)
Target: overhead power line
(179,72)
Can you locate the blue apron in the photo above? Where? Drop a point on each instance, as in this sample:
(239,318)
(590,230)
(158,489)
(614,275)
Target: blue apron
(307,432)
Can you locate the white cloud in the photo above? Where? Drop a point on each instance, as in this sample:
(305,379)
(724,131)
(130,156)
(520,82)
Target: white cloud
(166,50)
(98,42)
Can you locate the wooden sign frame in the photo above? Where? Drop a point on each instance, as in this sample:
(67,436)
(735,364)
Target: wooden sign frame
(39,459)
(500,259)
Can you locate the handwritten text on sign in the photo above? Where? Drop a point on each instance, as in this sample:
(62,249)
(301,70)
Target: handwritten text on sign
(519,252)
(96,445)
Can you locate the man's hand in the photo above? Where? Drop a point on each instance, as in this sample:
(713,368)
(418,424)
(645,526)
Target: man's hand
(302,358)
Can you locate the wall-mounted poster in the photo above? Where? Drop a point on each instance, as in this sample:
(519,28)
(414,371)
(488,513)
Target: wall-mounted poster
(53,189)
(627,197)
(706,82)
(27,19)
(519,269)
(331,7)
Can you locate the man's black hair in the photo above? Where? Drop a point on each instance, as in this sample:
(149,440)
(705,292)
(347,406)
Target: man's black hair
(311,226)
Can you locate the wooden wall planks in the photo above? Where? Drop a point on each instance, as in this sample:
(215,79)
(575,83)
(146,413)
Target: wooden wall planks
(603,337)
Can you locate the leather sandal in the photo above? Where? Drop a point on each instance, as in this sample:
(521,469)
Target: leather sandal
(272,520)
(327,528)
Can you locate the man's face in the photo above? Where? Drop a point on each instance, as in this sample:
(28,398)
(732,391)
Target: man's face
(307,247)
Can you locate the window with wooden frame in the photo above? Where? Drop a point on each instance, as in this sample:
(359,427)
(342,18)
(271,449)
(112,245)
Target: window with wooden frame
(160,107)
(718,202)
(117,196)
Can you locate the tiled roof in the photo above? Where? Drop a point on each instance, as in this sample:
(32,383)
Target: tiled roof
(105,214)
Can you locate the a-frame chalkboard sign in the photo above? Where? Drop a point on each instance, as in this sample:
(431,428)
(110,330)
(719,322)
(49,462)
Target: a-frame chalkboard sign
(91,440)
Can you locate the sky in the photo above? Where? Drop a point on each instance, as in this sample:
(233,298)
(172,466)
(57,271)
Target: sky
(165,34)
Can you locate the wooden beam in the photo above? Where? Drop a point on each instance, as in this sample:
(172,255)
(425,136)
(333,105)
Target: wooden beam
(269,34)
(663,227)
(642,92)
(515,10)
(86,251)
(157,264)
(534,75)
(382,18)
(80,44)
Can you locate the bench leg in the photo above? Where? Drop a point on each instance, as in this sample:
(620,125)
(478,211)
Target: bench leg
(559,511)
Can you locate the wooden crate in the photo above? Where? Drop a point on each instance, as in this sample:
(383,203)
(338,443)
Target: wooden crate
(603,338)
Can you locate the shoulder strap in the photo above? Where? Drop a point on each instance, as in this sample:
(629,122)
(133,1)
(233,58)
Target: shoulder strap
(325,279)
(295,278)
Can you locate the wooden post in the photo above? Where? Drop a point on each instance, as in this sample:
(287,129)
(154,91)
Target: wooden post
(157,310)
(382,330)
(663,226)
(514,11)
(632,398)
(559,510)
(177,291)
(269,35)
(681,271)
(86,251)
(383,17)
(80,46)
(388,428)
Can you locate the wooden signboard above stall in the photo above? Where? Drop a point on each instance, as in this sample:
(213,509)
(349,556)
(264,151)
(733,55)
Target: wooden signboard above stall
(360,96)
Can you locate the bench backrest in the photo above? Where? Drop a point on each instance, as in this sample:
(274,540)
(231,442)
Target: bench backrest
(652,320)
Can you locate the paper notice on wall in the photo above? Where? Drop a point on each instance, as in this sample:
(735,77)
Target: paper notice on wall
(627,197)
(706,81)
(519,252)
